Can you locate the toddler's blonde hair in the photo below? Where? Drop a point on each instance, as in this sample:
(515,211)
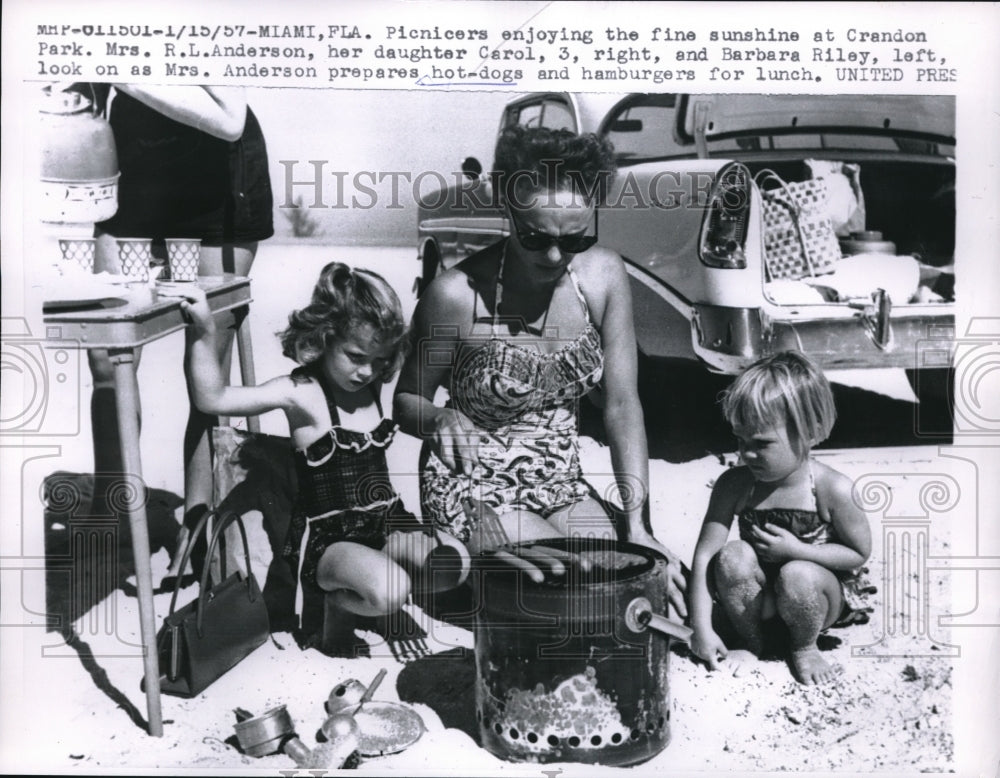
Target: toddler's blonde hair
(785,388)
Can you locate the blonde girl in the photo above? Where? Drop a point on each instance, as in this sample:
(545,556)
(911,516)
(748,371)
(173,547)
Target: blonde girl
(802,538)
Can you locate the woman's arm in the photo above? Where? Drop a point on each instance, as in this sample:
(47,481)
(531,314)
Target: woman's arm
(435,343)
(209,392)
(218,111)
(623,418)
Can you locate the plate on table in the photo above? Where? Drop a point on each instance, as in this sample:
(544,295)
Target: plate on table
(98,298)
(174,288)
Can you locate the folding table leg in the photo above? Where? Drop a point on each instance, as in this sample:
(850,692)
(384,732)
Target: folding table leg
(127,395)
(245,348)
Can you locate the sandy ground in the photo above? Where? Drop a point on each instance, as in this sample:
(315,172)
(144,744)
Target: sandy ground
(891,709)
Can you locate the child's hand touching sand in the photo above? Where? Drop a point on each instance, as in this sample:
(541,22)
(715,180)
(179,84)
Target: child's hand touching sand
(707,645)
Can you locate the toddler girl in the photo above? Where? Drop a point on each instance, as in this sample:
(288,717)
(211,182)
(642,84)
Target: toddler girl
(802,539)
(350,535)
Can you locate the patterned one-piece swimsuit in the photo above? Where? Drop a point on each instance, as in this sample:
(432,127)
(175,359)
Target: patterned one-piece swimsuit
(811,527)
(524,404)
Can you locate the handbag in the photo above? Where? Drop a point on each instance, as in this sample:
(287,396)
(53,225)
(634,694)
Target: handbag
(210,635)
(799,239)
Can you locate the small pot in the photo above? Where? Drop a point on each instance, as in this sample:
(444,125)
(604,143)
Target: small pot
(265,734)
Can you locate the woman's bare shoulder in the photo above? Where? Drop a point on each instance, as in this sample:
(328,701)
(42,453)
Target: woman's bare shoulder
(601,265)
(449,297)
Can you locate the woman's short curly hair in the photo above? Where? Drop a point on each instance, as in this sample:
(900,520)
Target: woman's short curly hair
(785,388)
(537,159)
(342,299)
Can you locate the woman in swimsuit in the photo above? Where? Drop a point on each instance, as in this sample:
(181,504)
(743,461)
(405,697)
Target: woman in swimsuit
(518,333)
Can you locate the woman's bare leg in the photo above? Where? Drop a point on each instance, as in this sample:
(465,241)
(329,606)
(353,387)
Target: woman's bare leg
(584,519)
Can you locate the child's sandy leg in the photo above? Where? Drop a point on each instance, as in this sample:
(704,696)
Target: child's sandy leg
(436,562)
(741,587)
(362,580)
(808,599)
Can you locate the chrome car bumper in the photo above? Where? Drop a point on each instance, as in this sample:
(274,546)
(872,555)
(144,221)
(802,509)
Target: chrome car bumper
(729,339)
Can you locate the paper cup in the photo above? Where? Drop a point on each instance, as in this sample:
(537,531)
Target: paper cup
(79,250)
(135,255)
(184,255)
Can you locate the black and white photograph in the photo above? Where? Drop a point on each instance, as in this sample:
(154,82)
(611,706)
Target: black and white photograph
(500,388)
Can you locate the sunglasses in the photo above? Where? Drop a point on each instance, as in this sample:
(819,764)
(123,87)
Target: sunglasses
(572,243)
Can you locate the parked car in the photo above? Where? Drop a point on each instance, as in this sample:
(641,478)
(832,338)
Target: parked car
(686,215)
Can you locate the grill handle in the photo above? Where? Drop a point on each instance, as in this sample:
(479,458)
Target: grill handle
(639,616)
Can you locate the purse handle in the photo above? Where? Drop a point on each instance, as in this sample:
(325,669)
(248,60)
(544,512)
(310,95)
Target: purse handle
(185,556)
(203,590)
(769,175)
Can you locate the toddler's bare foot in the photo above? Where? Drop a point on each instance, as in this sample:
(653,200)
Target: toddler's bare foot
(739,662)
(809,667)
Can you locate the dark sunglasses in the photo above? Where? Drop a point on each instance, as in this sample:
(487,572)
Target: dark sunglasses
(572,243)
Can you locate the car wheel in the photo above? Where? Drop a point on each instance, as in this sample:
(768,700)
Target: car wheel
(934,389)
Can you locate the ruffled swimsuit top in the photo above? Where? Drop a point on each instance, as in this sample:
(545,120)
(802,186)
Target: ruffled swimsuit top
(505,386)
(345,469)
(344,492)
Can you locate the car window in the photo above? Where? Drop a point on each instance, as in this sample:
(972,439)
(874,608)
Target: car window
(557,116)
(529,115)
(554,114)
(644,131)
(644,128)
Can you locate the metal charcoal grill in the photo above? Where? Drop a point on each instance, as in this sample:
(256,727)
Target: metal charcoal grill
(561,674)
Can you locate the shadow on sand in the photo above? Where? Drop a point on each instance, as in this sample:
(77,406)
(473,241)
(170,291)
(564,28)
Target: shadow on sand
(88,555)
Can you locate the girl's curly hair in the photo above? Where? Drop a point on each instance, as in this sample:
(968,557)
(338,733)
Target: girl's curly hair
(537,159)
(342,299)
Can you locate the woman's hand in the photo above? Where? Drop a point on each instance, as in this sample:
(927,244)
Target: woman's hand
(676,583)
(775,544)
(455,439)
(707,645)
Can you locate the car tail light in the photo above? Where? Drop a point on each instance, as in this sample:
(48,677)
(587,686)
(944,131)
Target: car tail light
(724,232)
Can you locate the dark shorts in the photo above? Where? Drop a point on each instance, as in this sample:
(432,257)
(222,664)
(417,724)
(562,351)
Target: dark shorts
(368,528)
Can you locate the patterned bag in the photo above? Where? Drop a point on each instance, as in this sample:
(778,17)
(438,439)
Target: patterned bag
(799,240)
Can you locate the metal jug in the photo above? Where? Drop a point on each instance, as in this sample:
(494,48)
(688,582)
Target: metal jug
(79,165)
